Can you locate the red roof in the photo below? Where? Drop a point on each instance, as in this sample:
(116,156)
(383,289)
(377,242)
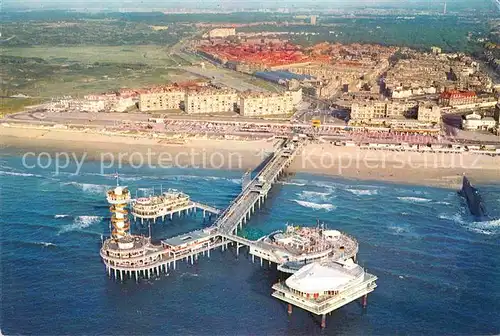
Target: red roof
(458,94)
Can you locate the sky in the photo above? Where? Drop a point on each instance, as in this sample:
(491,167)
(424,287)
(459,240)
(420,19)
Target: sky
(230,4)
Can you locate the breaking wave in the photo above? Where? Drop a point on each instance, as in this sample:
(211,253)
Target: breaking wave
(313,196)
(89,187)
(414,199)
(362,192)
(81,222)
(45,244)
(491,227)
(325,185)
(488,227)
(292,183)
(457,218)
(316,206)
(129,178)
(146,192)
(61,216)
(2,172)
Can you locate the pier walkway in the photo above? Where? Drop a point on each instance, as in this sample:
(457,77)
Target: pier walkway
(254,194)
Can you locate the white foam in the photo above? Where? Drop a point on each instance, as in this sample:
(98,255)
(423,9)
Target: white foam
(325,185)
(316,206)
(18,174)
(398,229)
(81,222)
(89,187)
(45,244)
(414,199)
(129,178)
(61,216)
(454,218)
(362,192)
(491,227)
(292,183)
(314,196)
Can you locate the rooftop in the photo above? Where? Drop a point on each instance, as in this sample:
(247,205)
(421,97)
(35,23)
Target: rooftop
(458,94)
(324,276)
(188,238)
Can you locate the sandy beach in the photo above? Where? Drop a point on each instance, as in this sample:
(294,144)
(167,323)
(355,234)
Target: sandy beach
(431,169)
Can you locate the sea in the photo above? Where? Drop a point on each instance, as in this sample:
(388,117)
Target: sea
(438,268)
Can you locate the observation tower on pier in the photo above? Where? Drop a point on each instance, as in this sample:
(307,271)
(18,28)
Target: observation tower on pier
(119,198)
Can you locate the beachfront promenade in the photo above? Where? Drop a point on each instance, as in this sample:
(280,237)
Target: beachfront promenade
(145,258)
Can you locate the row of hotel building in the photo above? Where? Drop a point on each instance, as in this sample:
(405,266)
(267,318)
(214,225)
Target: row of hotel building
(425,113)
(209,99)
(191,97)
(407,113)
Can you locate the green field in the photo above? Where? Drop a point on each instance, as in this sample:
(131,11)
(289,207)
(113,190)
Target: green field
(152,55)
(54,54)
(46,72)
(11,105)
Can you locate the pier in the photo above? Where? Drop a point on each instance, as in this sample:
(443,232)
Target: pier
(148,258)
(129,256)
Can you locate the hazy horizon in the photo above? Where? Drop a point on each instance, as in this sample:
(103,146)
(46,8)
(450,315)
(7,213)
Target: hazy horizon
(156,5)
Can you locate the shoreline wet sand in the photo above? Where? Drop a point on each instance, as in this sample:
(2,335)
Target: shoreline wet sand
(443,170)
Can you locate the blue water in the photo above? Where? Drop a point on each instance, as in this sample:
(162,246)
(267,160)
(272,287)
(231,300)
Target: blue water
(439,271)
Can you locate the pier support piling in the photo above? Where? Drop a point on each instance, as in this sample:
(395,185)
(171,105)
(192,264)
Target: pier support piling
(323,321)
(364,301)
(289,309)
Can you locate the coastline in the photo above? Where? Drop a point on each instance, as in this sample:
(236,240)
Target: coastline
(428,169)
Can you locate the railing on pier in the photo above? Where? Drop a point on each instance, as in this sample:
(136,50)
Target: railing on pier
(266,176)
(206,207)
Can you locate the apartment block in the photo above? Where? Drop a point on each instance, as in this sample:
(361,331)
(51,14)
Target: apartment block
(369,110)
(261,104)
(363,111)
(429,113)
(210,101)
(407,109)
(159,101)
